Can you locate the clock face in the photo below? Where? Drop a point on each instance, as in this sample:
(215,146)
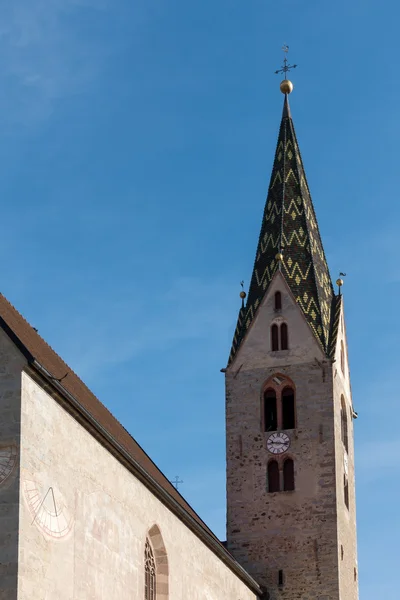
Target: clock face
(278,443)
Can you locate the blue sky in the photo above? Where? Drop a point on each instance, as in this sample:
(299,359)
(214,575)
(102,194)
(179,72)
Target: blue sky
(137,140)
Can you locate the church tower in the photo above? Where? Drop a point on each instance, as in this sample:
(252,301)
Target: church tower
(291,516)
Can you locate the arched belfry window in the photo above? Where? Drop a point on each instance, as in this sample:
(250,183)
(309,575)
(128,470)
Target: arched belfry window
(270,411)
(288,475)
(288,416)
(284,336)
(344,424)
(149,573)
(274,337)
(278,404)
(156,569)
(278,301)
(273,476)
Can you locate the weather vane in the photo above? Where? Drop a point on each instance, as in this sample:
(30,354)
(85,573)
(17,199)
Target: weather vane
(285,67)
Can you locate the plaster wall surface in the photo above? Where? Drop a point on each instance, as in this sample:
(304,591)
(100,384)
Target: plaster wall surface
(295,532)
(11,364)
(94,548)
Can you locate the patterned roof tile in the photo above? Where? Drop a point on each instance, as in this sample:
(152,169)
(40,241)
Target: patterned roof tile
(289,225)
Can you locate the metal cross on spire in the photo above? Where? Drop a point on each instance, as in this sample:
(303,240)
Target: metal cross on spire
(285,67)
(176,482)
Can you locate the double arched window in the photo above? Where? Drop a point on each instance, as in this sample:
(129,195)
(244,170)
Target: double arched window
(279,337)
(278,481)
(279,405)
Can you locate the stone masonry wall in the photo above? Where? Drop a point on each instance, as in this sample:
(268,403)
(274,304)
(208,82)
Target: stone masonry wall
(293,531)
(11,364)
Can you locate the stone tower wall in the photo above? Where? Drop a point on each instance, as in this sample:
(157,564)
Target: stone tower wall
(11,364)
(347,532)
(295,532)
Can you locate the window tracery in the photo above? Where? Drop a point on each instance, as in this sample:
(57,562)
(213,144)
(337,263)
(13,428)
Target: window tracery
(149,573)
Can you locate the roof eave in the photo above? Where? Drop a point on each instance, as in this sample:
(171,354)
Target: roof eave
(35,368)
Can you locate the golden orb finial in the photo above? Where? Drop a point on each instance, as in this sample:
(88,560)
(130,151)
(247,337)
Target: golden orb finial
(286,86)
(242,293)
(279,256)
(340,282)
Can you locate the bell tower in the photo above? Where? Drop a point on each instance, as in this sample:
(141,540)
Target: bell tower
(291,514)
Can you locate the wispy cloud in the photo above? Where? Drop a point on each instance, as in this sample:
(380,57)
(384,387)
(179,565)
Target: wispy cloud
(44,55)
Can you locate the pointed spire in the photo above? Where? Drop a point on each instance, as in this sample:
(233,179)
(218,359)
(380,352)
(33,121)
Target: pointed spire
(290,240)
(286,108)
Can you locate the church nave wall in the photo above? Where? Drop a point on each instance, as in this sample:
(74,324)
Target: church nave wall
(85,519)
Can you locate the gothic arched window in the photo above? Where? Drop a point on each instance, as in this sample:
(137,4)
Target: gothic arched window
(270,411)
(278,301)
(288,475)
(288,416)
(284,336)
(273,476)
(149,573)
(344,425)
(274,337)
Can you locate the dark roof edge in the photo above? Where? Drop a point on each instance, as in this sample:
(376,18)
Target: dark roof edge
(211,542)
(15,339)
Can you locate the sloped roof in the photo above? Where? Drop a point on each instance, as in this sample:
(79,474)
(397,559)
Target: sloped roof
(289,225)
(336,312)
(35,348)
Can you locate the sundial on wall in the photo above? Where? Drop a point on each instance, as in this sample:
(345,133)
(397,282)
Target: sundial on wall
(8,459)
(48,509)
